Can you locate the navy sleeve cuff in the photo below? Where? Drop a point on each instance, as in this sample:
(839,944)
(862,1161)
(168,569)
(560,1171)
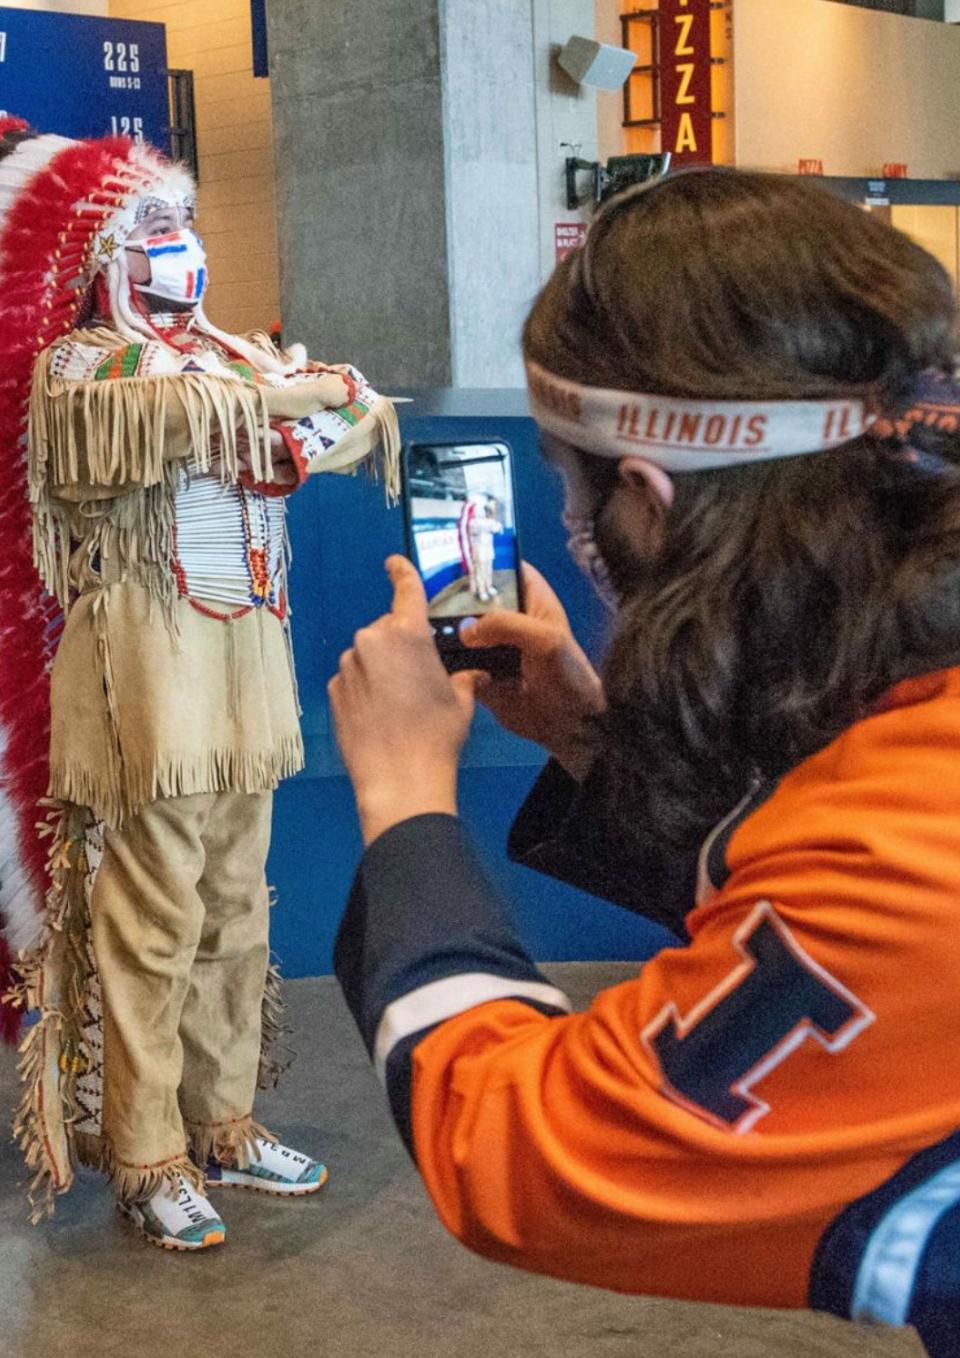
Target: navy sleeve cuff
(425,938)
(422,912)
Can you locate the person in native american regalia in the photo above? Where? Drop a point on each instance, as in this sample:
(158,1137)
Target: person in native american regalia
(147,691)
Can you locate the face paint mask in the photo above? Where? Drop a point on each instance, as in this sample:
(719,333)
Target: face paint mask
(178,267)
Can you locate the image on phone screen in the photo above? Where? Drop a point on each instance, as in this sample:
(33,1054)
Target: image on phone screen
(462,523)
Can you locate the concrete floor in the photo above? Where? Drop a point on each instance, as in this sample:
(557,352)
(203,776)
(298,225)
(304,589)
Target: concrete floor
(361,1271)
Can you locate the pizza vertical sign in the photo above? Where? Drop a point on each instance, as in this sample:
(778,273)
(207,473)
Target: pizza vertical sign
(686,105)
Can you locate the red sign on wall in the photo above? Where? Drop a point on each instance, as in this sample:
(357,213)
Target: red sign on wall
(686,106)
(810,167)
(568,236)
(895,169)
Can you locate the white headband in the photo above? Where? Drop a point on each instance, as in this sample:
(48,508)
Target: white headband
(688,435)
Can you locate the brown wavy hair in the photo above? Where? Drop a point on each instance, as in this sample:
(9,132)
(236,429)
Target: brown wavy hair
(782,598)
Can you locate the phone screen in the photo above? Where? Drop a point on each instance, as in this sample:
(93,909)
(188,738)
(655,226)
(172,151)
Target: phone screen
(461,517)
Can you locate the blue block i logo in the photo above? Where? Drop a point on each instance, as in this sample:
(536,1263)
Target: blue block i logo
(771,1003)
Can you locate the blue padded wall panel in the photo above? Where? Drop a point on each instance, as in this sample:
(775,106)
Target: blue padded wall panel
(342,531)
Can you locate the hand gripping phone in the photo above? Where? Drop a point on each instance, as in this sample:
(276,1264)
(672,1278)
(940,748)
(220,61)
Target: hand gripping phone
(460,511)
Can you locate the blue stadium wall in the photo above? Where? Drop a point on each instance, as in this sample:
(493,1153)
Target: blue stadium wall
(342,531)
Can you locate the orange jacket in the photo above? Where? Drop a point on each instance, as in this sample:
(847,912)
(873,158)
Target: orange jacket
(763,1115)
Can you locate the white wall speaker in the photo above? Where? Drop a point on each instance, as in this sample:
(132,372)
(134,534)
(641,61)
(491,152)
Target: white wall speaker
(596,64)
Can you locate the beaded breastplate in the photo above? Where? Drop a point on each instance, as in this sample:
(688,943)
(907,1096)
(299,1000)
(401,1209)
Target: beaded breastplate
(230,546)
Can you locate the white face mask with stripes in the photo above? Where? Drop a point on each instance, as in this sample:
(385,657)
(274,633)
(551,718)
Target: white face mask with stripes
(178,267)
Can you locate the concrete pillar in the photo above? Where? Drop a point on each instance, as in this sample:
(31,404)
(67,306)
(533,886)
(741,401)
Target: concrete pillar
(358,124)
(490,187)
(420,173)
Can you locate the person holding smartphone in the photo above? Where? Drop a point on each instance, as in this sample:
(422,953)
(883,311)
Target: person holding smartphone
(747,387)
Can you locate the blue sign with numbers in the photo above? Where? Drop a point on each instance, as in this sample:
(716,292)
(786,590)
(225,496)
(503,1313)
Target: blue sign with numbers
(85,77)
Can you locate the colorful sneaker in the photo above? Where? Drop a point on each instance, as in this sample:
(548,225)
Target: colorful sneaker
(181,1219)
(278,1170)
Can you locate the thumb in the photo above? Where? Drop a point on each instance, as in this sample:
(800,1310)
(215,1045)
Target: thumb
(409,596)
(465,687)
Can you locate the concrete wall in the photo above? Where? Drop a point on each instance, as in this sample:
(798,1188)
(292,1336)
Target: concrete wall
(420,175)
(358,113)
(850,86)
(490,187)
(565,113)
(238,219)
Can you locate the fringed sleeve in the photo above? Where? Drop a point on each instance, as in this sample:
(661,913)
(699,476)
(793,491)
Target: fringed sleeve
(376,433)
(331,419)
(95,423)
(363,431)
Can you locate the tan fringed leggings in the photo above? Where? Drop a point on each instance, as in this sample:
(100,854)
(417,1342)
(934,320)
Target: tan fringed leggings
(179,914)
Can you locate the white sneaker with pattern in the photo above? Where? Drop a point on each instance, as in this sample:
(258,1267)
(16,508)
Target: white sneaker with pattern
(177,1218)
(274,1169)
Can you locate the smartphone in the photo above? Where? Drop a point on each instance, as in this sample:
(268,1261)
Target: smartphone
(460,510)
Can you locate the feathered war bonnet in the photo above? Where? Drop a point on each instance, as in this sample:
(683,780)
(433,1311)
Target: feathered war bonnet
(66,210)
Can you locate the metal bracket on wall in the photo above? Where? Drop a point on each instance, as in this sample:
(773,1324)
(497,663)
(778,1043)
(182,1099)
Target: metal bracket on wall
(619,173)
(183,120)
(574,165)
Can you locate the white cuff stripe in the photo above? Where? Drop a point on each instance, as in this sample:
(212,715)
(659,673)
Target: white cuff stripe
(887,1277)
(441,1000)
